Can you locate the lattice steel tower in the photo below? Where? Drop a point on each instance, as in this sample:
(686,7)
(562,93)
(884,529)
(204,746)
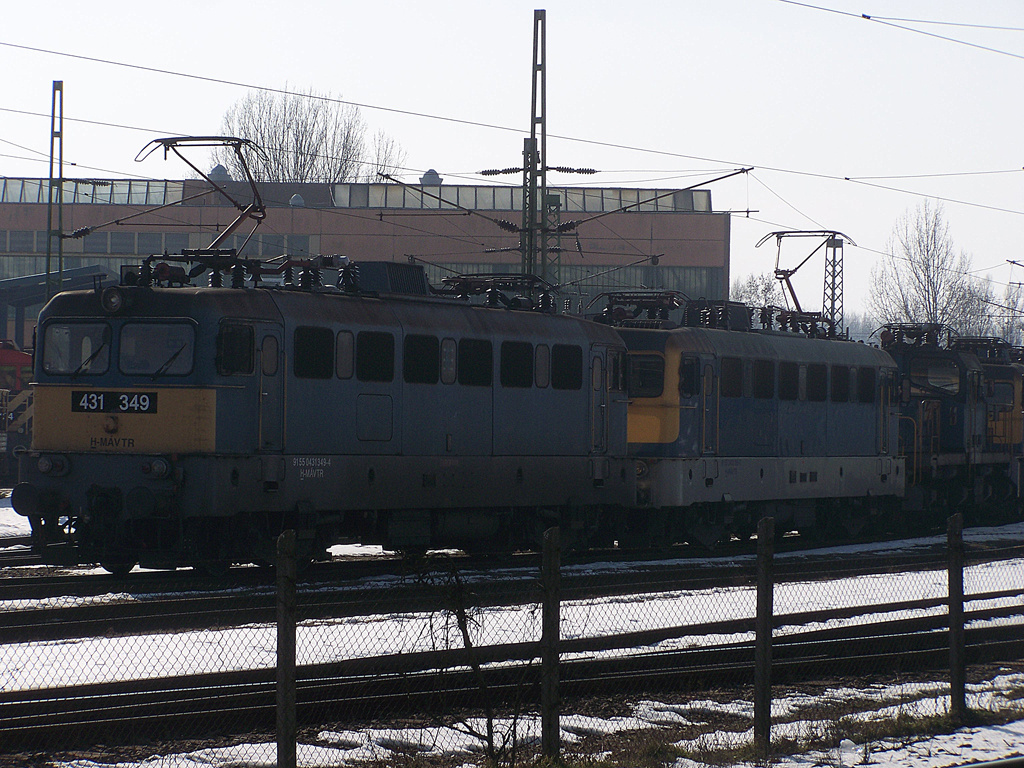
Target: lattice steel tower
(832,297)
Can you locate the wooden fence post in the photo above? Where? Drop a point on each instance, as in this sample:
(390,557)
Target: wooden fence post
(287,728)
(549,698)
(763,637)
(957,646)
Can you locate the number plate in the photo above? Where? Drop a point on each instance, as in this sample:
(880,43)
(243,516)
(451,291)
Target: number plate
(84,401)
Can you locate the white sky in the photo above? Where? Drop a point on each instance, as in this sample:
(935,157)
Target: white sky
(766,83)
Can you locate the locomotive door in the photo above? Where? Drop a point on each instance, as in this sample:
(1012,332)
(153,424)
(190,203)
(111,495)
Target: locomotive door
(709,411)
(271,377)
(598,399)
(884,415)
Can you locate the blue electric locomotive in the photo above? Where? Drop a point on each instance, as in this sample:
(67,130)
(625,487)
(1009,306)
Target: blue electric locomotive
(178,425)
(729,424)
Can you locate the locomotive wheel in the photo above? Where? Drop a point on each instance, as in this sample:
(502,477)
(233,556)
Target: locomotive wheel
(117,568)
(215,569)
(705,528)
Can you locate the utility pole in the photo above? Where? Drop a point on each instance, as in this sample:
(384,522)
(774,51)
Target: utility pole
(533,241)
(55,194)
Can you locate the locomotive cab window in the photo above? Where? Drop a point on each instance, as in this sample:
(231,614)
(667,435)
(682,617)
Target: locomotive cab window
(646,375)
(840,384)
(375,356)
(313,352)
(234,349)
(763,372)
(516,364)
(817,382)
(421,359)
(689,377)
(928,374)
(475,363)
(999,391)
(865,385)
(157,349)
(732,377)
(567,367)
(789,381)
(73,348)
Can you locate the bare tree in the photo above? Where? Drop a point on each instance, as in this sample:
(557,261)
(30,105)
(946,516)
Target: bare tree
(1008,315)
(304,136)
(861,327)
(980,313)
(761,290)
(923,278)
(388,156)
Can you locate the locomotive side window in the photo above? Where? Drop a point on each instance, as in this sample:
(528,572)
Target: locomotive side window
(646,375)
(732,377)
(269,355)
(234,349)
(157,349)
(840,384)
(817,382)
(74,348)
(616,371)
(375,356)
(542,365)
(475,363)
(689,377)
(449,361)
(313,352)
(516,364)
(567,366)
(764,379)
(865,385)
(999,391)
(345,355)
(421,363)
(789,381)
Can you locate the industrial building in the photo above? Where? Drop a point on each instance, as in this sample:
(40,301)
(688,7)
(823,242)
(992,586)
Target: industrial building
(450,228)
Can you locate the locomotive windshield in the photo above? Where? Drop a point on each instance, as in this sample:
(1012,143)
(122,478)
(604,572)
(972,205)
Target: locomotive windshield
(928,374)
(73,348)
(646,375)
(157,349)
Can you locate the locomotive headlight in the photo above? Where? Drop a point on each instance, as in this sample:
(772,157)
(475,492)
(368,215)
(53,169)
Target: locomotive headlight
(159,467)
(112,300)
(52,465)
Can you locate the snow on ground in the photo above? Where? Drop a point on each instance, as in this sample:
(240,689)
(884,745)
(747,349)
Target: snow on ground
(11,523)
(393,746)
(74,661)
(71,661)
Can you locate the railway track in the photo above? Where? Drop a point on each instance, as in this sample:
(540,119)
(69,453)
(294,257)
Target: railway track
(415,683)
(54,608)
(15,551)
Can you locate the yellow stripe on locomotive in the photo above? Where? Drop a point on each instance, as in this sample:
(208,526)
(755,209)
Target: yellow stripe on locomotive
(103,420)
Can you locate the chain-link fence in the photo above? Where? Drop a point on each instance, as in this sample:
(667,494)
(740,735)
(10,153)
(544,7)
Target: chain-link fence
(441,661)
